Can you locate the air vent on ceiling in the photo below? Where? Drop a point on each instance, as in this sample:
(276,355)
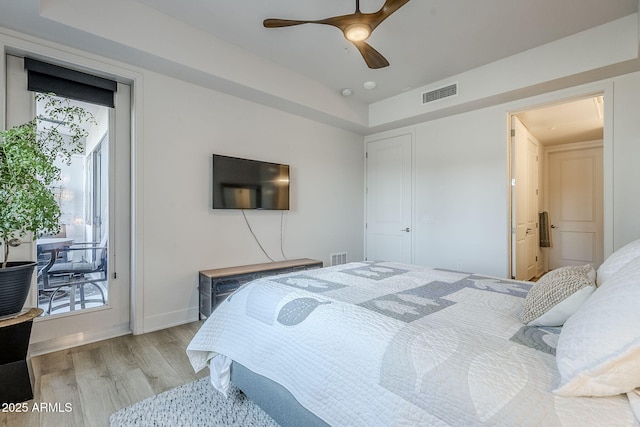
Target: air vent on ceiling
(440,93)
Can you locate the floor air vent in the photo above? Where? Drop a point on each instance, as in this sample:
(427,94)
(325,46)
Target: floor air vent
(443,92)
(339,258)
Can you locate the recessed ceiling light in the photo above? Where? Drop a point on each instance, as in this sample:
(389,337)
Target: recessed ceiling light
(346,92)
(369,85)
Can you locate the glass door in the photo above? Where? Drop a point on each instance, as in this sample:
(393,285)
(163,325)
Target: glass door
(94,194)
(73,274)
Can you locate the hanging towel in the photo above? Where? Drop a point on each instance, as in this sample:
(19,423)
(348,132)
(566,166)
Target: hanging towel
(545,239)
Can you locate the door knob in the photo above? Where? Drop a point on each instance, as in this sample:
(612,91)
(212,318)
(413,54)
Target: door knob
(406,230)
(553,226)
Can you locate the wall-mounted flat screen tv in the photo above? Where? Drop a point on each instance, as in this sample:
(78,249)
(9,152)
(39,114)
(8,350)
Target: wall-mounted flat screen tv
(249,184)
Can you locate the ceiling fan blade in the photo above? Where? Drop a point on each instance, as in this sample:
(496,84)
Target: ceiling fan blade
(340,22)
(372,57)
(389,7)
(278,23)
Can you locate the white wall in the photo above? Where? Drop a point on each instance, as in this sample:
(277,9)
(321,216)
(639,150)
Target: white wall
(178,126)
(576,57)
(195,54)
(184,125)
(626,155)
(461,200)
(461,179)
(461,150)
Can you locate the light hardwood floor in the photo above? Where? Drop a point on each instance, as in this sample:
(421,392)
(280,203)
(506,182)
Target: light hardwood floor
(84,385)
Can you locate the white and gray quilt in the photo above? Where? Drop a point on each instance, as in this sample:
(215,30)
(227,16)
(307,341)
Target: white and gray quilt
(387,344)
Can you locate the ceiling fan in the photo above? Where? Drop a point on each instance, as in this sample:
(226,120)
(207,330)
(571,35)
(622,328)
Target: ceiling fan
(356,27)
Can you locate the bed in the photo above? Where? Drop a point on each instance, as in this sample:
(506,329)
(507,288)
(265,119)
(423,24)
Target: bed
(381,343)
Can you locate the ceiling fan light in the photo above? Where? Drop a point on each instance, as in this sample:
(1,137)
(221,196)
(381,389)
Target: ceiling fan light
(357,32)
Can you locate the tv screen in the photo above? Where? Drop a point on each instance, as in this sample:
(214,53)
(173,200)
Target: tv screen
(249,184)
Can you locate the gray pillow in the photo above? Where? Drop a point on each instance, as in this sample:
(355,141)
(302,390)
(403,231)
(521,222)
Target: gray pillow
(557,295)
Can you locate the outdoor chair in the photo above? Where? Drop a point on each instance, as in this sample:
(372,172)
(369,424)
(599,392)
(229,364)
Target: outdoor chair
(66,274)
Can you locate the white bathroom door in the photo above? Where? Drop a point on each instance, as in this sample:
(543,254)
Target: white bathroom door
(576,207)
(525,201)
(389,199)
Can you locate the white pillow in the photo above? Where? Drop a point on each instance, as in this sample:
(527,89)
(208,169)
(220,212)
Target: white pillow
(557,295)
(617,260)
(598,352)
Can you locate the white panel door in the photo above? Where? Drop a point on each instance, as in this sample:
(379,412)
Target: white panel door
(389,199)
(575,207)
(525,201)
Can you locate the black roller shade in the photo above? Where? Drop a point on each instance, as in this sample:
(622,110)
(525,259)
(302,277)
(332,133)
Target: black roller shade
(49,78)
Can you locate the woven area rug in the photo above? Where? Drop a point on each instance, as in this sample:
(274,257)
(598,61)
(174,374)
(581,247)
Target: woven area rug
(193,404)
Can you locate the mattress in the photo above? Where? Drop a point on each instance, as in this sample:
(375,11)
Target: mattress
(378,343)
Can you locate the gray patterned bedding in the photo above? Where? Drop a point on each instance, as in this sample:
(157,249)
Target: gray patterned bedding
(389,344)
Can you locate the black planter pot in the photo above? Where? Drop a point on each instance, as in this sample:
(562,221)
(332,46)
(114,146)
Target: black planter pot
(15,282)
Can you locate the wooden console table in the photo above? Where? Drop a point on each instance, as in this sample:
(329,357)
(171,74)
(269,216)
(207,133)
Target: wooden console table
(15,382)
(217,284)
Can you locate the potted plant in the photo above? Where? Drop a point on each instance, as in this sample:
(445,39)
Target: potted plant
(30,155)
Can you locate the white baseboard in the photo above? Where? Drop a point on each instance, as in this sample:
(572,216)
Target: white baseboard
(168,320)
(74,340)
(151,324)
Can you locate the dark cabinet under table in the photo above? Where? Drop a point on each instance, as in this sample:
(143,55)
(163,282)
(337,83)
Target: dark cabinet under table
(217,284)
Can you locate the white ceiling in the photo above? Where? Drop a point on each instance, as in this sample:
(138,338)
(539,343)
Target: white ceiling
(425,40)
(575,121)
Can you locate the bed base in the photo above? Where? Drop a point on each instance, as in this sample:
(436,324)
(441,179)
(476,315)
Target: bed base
(273,398)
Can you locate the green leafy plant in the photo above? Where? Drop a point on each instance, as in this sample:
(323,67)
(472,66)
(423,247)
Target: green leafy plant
(29,157)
